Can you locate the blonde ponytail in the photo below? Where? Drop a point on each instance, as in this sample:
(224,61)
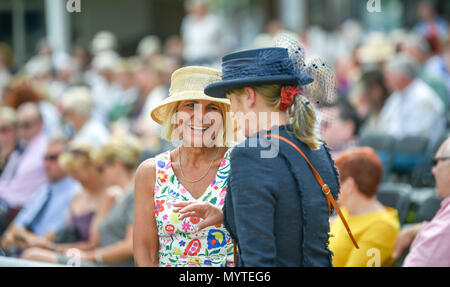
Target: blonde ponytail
(303,119)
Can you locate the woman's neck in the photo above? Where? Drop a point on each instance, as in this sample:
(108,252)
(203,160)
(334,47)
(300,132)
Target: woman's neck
(268,118)
(360,205)
(94,186)
(196,155)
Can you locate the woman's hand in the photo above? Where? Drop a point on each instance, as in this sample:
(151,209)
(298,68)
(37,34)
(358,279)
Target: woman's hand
(40,242)
(211,214)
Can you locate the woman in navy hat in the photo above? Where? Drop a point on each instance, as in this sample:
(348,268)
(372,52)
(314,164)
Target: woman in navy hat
(278,201)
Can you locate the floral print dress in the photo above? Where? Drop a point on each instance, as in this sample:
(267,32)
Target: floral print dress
(180,244)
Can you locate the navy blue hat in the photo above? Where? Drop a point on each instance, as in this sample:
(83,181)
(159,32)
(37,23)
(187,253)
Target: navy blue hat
(257,67)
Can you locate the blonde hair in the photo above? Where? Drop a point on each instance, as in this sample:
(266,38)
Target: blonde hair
(79,154)
(125,149)
(226,137)
(8,114)
(301,114)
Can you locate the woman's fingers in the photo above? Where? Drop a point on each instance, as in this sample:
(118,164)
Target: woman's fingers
(210,214)
(193,207)
(187,214)
(182,204)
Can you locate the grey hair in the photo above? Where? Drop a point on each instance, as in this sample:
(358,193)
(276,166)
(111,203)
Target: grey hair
(418,42)
(78,99)
(57,137)
(404,64)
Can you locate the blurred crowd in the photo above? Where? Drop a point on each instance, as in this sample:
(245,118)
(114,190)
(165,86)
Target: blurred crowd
(73,127)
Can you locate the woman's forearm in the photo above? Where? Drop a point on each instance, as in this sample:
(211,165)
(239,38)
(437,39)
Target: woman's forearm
(83,245)
(116,253)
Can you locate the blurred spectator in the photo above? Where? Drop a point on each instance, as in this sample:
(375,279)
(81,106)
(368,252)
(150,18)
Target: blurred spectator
(147,78)
(24,173)
(428,241)
(127,91)
(340,126)
(8,142)
(348,70)
(419,49)
(431,26)
(19,91)
(148,48)
(6,65)
(56,59)
(376,50)
(144,126)
(174,47)
(77,108)
(373,53)
(202,34)
(105,91)
(81,60)
(440,65)
(273,30)
(111,242)
(413,109)
(373,225)
(369,97)
(23,90)
(103,41)
(43,214)
(88,206)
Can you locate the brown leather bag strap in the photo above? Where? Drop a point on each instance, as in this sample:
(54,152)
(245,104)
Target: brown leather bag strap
(325,189)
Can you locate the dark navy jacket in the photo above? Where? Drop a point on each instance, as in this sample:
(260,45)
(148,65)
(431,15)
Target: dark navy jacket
(274,208)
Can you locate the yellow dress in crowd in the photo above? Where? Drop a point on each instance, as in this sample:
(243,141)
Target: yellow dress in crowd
(375,233)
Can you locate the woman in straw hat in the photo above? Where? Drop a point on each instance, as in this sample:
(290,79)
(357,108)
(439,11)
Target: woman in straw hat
(278,203)
(197,170)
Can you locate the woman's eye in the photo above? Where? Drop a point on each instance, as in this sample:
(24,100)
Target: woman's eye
(214,108)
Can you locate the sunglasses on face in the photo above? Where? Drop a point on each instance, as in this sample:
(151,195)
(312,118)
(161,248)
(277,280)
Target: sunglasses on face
(436,160)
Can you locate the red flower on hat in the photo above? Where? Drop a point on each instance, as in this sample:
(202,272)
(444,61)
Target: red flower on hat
(288,94)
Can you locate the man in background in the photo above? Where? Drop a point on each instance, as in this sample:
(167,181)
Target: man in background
(45,212)
(24,172)
(428,241)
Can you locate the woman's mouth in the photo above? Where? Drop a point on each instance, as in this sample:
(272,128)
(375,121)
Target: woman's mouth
(197,128)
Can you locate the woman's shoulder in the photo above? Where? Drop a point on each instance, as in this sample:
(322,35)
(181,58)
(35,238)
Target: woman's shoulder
(147,166)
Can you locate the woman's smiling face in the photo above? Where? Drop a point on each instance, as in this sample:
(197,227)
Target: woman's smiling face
(199,122)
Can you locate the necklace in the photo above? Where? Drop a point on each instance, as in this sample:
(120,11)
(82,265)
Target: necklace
(203,176)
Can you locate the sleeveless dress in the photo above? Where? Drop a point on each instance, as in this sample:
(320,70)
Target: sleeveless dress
(180,244)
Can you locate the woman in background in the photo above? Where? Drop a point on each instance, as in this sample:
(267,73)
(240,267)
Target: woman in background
(88,207)
(375,226)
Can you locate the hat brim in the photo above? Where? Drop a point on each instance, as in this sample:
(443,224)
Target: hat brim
(220,89)
(160,113)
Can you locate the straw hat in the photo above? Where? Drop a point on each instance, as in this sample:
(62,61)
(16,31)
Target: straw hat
(378,49)
(188,83)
